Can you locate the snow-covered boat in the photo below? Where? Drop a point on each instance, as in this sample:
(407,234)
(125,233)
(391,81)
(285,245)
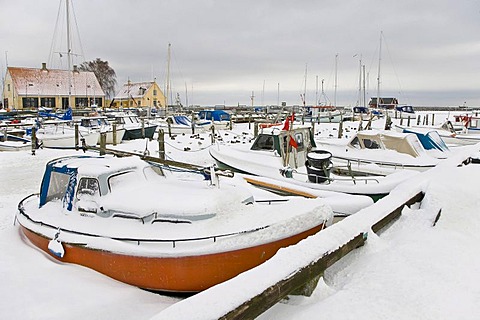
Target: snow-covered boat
(60,134)
(180,124)
(134,127)
(290,156)
(141,225)
(10,142)
(101,124)
(382,152)
(220,118)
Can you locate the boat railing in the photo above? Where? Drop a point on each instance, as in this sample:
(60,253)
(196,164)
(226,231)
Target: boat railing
(322,179)
(21,210)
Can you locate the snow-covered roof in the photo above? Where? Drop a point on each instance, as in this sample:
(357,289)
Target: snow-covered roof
(54,82)
(133,90)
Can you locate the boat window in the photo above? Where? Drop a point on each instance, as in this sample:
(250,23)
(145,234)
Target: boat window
(121,179)
(299,140)
(371,144)
(263,142)
(355,143)
(58,185)
(153,172)
(88,187)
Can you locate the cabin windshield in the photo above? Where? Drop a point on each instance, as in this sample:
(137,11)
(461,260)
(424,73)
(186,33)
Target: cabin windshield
(371,144)
(88,187)
(263,142)
(58,185)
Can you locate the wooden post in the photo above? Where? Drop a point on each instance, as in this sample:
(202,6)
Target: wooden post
(77,141)
(34,140)
(426,121)
(114,133)
(103,143)
(418,120)
(4,134)
(169,129)
(193,123)
(213,134)
(249,121)
(408,121)
(401,120)
(433,119)
(340,129)
(230,123)
(143,128)
(161,144)
(255,129)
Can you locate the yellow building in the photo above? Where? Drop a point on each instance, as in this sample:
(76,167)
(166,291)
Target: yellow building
(30,88)
(139,95)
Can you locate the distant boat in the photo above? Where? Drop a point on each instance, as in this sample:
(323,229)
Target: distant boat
(179,124)
(220,118)
(133,126)
(10,142)
(101,124)
(134,223)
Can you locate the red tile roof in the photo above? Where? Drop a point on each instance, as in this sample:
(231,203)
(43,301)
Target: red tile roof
(54,82)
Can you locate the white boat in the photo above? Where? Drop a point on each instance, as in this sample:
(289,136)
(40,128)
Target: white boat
(135,128)
(181,124)
(101,124)
(142,226)
(9,142)
(381,152)
(61,135)
(288,156)
(219,118)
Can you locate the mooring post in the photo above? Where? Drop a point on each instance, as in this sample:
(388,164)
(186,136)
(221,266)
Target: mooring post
(213,134)
(418,120)
(340,129)
(143,128)
(193,123)
(408,121)
(255,129)
(103,143)
(169,128)
(249,121)
(161,144)
(34,140)
(401,120)
(433,119)
(4,134)
(114,134)
(77,141)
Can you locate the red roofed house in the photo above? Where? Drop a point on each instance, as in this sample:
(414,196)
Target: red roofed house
(30,88)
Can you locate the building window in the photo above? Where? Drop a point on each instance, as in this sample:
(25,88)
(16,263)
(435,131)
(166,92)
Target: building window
(154,92)
(47,102)
(8,86)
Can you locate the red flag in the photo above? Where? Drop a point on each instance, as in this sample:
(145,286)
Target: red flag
(293,142)
(289,119)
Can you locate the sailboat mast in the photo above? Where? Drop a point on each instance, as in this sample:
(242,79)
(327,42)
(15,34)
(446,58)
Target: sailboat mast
(69,53)
(379,64)
(168,76)
(336,71)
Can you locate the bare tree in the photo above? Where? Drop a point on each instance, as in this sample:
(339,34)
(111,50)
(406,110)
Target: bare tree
(105,74)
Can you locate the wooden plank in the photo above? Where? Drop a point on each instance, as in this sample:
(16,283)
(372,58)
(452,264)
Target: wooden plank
(395,214)
(270,296)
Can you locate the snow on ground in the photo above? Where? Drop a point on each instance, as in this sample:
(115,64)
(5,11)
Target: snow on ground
(412,270)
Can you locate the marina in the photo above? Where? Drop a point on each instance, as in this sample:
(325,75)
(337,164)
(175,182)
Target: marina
(269,160)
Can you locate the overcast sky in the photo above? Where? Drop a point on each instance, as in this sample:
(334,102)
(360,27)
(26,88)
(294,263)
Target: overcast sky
(223,50)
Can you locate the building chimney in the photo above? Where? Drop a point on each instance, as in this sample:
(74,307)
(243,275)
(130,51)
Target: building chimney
(44,66)
(75,68)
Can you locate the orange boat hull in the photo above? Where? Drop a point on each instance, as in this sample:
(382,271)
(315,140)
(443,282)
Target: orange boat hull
(173,274)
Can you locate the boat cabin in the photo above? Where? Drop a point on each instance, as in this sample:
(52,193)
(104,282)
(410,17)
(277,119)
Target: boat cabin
(292,145)
(403,143)
(79,182)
